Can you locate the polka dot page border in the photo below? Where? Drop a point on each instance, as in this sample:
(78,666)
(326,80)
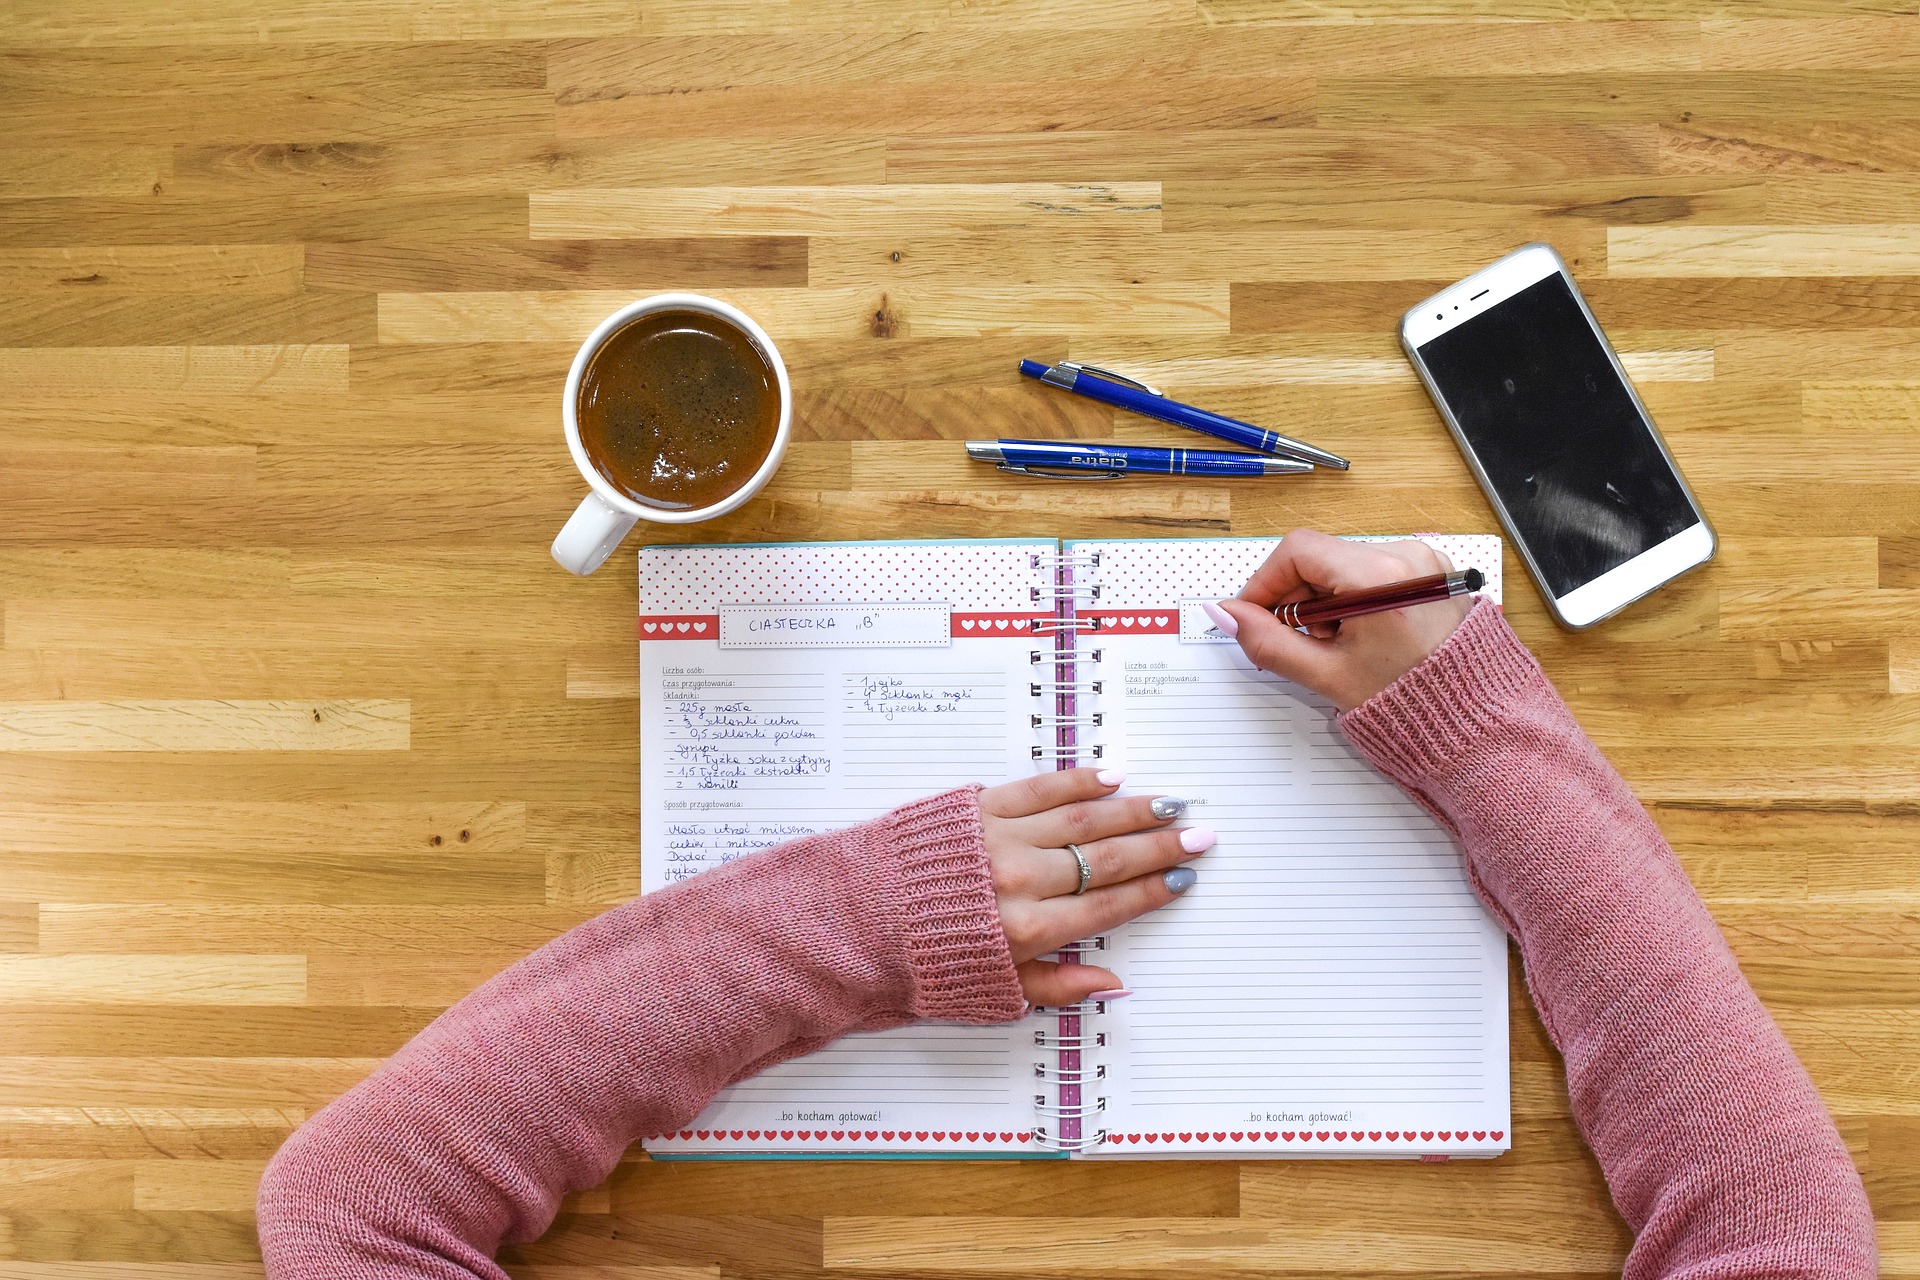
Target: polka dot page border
(1156,573)
(984,577)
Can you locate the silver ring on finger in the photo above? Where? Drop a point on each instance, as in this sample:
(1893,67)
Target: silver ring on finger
(1086,869)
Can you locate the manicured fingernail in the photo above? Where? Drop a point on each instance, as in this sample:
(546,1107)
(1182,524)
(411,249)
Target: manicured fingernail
(1197,839)
(1167,806)
(1118,993)
(1221,619)
(1110,777)
(1180,879)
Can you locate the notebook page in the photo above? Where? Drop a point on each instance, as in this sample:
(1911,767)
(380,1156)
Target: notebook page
(1330,986)
(790,690)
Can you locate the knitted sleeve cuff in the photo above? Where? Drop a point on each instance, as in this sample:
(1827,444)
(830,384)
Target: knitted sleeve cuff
(962,969)
(1426,718)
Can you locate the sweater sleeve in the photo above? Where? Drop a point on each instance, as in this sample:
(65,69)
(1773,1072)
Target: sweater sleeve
(1715,1146)
(534,1084)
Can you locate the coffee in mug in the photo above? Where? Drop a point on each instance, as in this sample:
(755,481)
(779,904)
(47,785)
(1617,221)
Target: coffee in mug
(677,409)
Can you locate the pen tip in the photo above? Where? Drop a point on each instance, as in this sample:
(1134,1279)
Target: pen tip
(1475,579)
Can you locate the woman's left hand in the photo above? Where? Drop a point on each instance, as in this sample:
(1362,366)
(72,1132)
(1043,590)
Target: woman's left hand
(1137,858)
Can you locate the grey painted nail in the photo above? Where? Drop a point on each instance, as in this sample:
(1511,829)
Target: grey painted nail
(1180,879)
(1168,806)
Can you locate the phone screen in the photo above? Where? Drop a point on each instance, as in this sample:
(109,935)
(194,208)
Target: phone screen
(1557,434)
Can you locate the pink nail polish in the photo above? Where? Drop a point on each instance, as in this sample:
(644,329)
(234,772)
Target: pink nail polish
(1198,839)
(1107,997)
(1221,619)
(1110,777)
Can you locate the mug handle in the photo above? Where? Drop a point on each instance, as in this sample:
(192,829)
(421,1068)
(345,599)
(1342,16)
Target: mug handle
(591,534)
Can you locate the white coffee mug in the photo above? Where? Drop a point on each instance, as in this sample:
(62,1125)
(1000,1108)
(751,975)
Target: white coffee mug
(605,514)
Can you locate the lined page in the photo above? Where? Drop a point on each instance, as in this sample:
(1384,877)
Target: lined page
(1331,973)
(803,716)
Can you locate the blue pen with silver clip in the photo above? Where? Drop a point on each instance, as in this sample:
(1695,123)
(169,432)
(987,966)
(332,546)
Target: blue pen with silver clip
(1111,461)
(1119,390)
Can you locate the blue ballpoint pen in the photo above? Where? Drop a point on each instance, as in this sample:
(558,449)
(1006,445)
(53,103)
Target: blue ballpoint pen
(1119,390)
(1110,461)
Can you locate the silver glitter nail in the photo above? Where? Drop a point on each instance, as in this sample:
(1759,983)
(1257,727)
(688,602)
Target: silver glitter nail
(1167,806)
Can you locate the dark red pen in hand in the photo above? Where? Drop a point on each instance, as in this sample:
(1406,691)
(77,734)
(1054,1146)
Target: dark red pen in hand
(1394,595)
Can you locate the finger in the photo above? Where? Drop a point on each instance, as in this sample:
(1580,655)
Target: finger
(1085,821)
(1121,858)
(1045,791)
(1272,645)
(1048,982)
(1058,921)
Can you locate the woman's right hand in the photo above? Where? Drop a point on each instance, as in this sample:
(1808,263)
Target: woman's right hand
(1349,661)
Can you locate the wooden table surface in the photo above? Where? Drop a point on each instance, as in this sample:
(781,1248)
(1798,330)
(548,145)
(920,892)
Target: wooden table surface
(302,734)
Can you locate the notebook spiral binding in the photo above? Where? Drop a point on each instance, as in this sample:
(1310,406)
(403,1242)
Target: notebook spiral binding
(1066,1107)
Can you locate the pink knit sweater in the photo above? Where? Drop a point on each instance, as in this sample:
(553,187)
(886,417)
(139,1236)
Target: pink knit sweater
(1714,1143)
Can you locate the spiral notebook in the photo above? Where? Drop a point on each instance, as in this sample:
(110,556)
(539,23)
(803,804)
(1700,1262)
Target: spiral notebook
(1330,987)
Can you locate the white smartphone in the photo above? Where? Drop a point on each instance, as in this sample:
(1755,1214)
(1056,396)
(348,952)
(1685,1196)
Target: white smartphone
(1567,454)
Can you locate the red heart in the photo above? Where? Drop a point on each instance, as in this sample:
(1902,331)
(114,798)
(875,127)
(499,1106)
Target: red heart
(753,1133)
(1498,1134)
(921,1135)
(839,1134)
(973,1137)
(1186,1137)
(1006,1137)
(1479,1135)
(1239,1137)
(1153,1137)
(786,1133)
(1026,1137)
(1445,1134)
(1375,1135)
(887,1134)
(939,1136)
(1323,1135)
(702,1133)
(1426,1135)
(1134,1137)
(808,1133)
(1220,1137)
(988,1137)
(1201,1137)
(872,1134)
(1339,1135)
(1114,1138)
(1393,1135)
(737,1135)
(1287,1135)
(1166,1137)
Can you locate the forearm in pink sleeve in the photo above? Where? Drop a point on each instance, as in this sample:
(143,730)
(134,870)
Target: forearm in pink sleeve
(1714,1143)
(534,1084)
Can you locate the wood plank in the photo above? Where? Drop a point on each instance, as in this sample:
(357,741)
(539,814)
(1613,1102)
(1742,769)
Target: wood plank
(1669,98)
(232,370)
(1489,155)
(1771,251)
(262,270)
(852,313)
(487,164)
(367,724)
(601,213)
(638,266)
(248,22)
(83,171)
(117,979)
